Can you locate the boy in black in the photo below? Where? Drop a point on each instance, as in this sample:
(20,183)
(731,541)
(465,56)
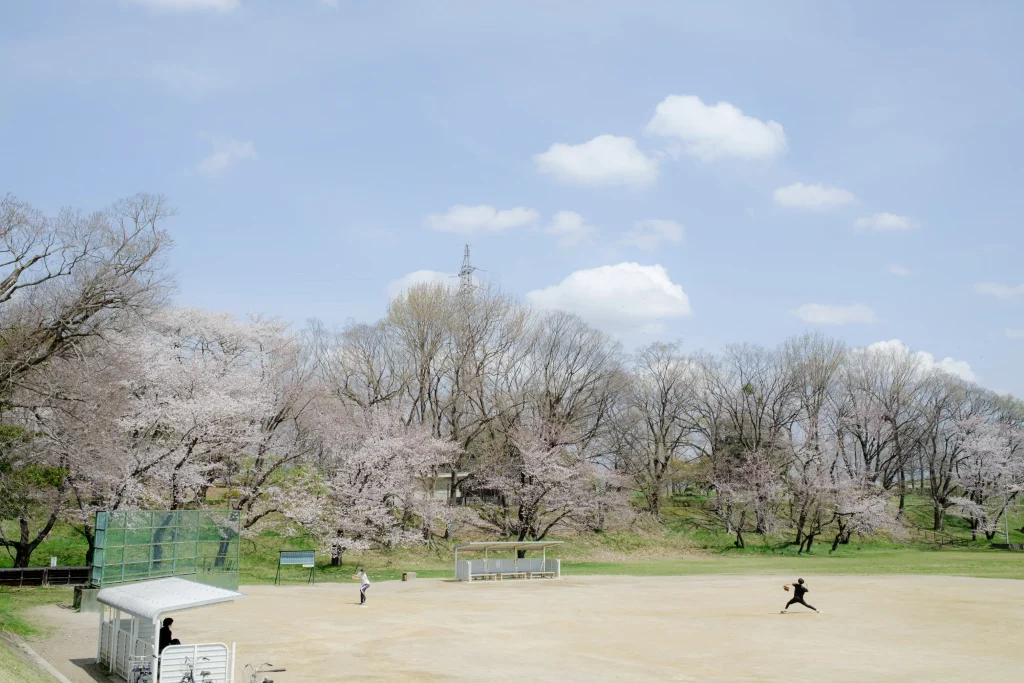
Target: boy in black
(165,635)
(799,589)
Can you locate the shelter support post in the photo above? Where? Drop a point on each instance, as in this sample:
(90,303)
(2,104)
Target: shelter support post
(114,631)
(154,665)
(133,640)
(99,644)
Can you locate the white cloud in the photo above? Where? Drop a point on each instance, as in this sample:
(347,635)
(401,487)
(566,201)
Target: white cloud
(1015,334)
(419,277)
(186,5)
(815,197)
(902,271)
(823,314)
(605,161)
(718,131)
(226,151)
(959,368)
(1004,292)
(619,297)
(885,222)
(649,234)
(481,219)
(570,228)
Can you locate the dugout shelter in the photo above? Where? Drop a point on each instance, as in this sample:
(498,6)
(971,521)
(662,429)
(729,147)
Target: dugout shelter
(500,568)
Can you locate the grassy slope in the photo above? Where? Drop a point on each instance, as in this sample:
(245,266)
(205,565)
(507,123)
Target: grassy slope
(14,669)
(13,603)
(689,542)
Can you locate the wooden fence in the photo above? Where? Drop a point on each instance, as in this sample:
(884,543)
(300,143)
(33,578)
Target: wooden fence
(1008,546)
(45,576)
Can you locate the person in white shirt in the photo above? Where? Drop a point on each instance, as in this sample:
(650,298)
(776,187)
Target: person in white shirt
(364,584)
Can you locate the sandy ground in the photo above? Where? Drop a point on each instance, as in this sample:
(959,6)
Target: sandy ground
(693,628)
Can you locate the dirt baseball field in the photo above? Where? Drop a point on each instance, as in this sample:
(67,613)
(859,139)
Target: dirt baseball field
(902,628)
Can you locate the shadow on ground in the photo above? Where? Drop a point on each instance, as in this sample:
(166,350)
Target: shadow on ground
(92,669)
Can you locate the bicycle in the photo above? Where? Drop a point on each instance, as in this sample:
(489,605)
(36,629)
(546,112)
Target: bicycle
(141,672)
(189,675)
(260,670)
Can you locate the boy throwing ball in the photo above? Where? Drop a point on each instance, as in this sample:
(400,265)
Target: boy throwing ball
(799,590)
(364,584)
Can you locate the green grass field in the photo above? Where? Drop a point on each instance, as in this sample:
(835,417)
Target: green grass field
(980,564)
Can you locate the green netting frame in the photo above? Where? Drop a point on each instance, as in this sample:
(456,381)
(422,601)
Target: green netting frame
(136,545)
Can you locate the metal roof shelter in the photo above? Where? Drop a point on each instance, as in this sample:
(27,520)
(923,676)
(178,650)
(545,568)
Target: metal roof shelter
(499,568)
(132,632)
(150,599)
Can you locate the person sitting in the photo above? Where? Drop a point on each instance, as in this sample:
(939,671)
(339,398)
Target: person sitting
(165,635)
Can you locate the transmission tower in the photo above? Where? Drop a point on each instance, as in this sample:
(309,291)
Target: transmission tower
(466,285)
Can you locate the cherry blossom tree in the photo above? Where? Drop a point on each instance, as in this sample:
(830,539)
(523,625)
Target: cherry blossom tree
(67,283)
(862,508)
(370,466)
(990,473)
(747,498)
(544,478)
(158,413)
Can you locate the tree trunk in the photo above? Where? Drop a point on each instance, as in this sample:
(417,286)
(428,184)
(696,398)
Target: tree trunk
(453,487)
(800,522)
(222,553)
(760,524)
(22,556)
(806,546)
(158,539)
(654,499)
(25,546)
(89,534)
(939,515)
(90,537)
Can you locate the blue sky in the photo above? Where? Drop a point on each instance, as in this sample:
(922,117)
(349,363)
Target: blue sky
(710,172)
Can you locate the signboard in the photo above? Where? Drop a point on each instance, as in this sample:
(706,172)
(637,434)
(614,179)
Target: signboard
(301,558)
(306,558)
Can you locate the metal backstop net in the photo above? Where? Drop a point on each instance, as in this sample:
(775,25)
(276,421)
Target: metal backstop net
(137,545)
